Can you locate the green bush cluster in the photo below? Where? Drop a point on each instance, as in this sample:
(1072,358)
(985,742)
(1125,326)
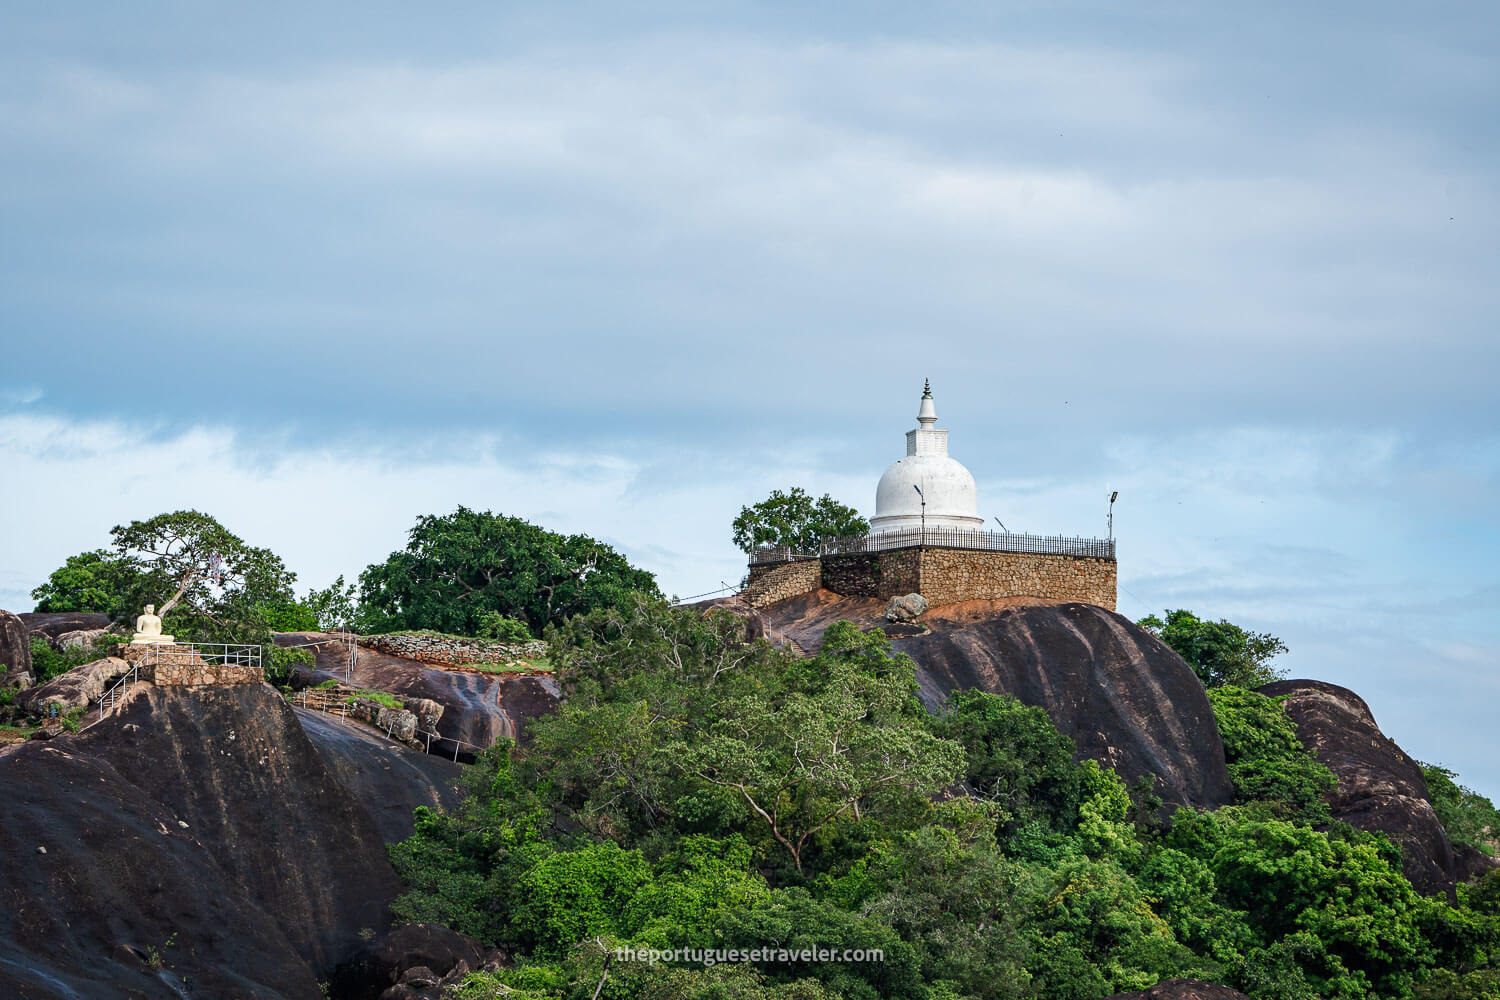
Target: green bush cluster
(703,791)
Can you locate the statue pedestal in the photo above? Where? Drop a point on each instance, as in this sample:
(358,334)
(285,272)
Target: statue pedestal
(151,640)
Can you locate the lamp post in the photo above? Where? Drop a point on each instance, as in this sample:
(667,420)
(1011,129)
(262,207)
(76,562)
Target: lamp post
(1112,497)
(923,498)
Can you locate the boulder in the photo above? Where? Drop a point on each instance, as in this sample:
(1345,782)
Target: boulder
(414,961)
(15,651)
(80,638)
(398,722)
(427,711)
(1126,699)
(51,624)
(1182,989)
(80,687)
(1380,787)
(904,609)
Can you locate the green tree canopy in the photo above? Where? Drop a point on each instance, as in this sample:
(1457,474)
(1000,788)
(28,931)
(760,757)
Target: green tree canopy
(460,567)
(794,519)
(96,581)
(1267,762)
(1219,652)
(1469,817)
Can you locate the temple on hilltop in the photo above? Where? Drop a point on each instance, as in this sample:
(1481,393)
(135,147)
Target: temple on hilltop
(927,538)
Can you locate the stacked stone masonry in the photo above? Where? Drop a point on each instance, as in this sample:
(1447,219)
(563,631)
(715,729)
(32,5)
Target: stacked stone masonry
(181,666)
(943,576)
(453,651)
(769,585)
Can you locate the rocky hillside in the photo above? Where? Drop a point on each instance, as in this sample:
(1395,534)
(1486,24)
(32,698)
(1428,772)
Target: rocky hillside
(198,837)
(1125,698)
(1380,787)
(478,708)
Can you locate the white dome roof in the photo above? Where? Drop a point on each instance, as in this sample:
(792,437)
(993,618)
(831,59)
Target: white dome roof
(926,473)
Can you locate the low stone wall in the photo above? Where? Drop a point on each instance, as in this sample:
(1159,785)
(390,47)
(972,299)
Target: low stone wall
(779,583)
(173,666)
(949,576)
(453,651)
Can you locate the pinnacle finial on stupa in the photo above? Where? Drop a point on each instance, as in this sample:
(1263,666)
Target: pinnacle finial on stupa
(927,414)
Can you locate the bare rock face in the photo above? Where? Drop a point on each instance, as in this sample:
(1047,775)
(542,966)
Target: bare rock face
(1182,989)
(80,687)
(1125,698)
(196,823)
(1380,787)
(15,651)
(51,624)
(388,779)
(82,637)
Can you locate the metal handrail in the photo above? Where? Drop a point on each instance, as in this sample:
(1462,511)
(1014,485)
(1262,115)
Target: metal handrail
(132,675)
(945,538)
(431,734)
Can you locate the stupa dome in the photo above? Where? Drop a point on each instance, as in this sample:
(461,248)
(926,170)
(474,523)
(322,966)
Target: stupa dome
(926,473)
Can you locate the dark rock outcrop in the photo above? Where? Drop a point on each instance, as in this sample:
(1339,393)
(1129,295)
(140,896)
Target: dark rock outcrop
(1182,989)
(1380,787)
(388,779)
(50,625)
(15,651)
(412,962)
(197,823)
(1126,699)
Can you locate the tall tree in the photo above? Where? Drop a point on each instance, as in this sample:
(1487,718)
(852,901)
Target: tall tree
(1219,652)
(460,567)
(794,519)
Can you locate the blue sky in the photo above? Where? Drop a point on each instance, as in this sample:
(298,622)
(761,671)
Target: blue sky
(622,268)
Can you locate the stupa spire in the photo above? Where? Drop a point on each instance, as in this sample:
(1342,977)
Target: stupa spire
(927,415)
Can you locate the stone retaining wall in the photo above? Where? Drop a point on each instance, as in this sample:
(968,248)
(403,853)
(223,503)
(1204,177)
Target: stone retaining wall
(180,666)
(873,574)
(453,651)
(949,576)
(779,583)
(943,576)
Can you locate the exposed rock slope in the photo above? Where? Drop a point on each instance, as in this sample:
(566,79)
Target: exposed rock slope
(1380,787)
(390,780)
(478,708)
(200,817)
(1125,698)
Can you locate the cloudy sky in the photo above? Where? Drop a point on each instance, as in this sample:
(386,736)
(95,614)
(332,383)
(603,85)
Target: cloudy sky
(619,269)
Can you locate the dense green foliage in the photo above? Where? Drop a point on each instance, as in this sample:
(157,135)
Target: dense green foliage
(1219,652)
(47,663)
(457,568)
(700,791)
(494,625)
(97,582)
(794,519)
(1469,817)
(1267,762)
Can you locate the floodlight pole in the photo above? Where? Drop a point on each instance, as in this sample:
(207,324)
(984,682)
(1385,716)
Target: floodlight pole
(1112,498)
(923,497)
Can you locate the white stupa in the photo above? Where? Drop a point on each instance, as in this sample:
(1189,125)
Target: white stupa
(926,473)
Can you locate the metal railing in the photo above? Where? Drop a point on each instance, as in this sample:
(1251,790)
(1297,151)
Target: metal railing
(116,693)
(945,538)
(322,705)
(213,653)
(772,554)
